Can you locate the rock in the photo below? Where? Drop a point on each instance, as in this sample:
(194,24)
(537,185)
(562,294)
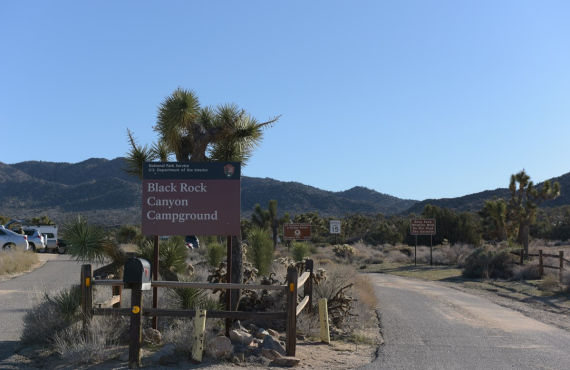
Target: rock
(270,343)
(241,337)
(285,361)
(261,333)
(219,347)
(252,328)
(152,336)
(164,355)
(237,326)
(270,354)
(273,333)
(238,358)
(257,341)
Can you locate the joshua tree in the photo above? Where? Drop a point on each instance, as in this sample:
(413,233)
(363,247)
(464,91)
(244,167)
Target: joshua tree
(191,133)
(268,219)
(494,215)
(524,203)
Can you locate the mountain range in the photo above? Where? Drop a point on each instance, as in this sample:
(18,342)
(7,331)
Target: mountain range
(102,191)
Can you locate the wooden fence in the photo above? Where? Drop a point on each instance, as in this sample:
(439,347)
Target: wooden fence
(136,311)
(541,265)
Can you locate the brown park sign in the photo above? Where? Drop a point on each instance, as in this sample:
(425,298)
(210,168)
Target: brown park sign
(187,198)
(297,231)
(422,226)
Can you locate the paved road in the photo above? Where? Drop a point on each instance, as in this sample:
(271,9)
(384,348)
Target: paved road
(17,295)
(428,326)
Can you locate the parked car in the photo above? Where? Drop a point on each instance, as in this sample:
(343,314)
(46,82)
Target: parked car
(61,246)
(36,240)
(11,240)
(192,242)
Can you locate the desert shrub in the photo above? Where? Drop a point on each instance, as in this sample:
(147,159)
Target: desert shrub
(344,251)
(397,256)
(487,263)
(193,298)
(173,254)
(100,342)
(215,253)
(525,272)
(52,315)
(128,234)
(260,249)
(299,250)
(549,283)
(16,261)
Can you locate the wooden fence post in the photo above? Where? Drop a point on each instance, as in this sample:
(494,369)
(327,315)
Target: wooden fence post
(199,330)
(291,324)
(540,264)
(561,256)
(135,332)
(308,288)
(86,295)
(324,321)
(522,256)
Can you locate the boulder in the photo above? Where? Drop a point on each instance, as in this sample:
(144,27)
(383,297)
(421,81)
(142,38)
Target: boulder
(219,347)
(270,354)
(270,343)
(241,337)
(273,333)
(261,333)
(285,361)
(152,336)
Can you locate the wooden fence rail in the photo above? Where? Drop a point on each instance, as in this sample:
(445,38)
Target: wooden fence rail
(541,265)
(136,311)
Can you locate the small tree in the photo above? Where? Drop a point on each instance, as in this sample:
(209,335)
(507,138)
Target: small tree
(260,251)
(494,219)
(524,202)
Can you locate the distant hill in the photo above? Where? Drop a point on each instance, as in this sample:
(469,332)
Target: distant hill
(474,202)
(101,190)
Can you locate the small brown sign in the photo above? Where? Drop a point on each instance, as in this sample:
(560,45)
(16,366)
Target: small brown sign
(422,226)
(297,231)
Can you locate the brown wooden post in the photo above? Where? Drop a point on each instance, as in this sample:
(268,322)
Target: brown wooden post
(135,332)
(155,262)
(522,256)
(291,324)
(86,295)
(228,280)
(308,288)
(561,256)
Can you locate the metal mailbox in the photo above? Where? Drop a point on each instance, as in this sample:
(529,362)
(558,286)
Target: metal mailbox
(137,273)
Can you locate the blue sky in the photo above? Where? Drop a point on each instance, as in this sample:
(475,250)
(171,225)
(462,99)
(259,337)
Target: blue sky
(417,99)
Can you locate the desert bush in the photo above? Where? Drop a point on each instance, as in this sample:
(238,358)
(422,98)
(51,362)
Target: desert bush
(15,261)
(549,283)
(260,249)
(344,251)
(299,250)
(193,298)
(52,315)
(397,256)
(173,254)
(487,263)
(525,272)
(129,234)
(100,342)
(215,253)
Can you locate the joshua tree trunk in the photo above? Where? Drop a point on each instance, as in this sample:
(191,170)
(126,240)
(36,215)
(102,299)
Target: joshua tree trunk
(524,230)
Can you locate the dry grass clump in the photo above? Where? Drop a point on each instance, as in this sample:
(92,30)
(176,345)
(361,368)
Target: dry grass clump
(549,284)
(525,272)
(14,261)
(397,256)
(101,341)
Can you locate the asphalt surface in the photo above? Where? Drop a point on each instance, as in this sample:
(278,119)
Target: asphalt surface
(429,326)
(19,294)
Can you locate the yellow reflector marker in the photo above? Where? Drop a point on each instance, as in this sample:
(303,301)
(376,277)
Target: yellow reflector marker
(87,281)
(136,309)
(292,287)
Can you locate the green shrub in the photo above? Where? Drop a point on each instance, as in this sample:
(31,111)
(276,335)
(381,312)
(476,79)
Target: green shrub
(488,263)
(300,250)
(260,251)
(215,253)
(344,251)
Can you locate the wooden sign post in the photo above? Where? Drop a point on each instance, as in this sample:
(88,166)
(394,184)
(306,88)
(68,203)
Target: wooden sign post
(423,226)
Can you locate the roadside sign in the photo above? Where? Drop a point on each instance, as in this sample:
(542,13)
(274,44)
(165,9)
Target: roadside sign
(335,226)
(422,226)
(186,198)
(297,231)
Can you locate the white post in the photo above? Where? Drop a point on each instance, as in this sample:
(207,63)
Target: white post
(199,330)
(324,320)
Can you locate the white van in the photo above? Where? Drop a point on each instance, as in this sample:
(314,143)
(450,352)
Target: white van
(50,235)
